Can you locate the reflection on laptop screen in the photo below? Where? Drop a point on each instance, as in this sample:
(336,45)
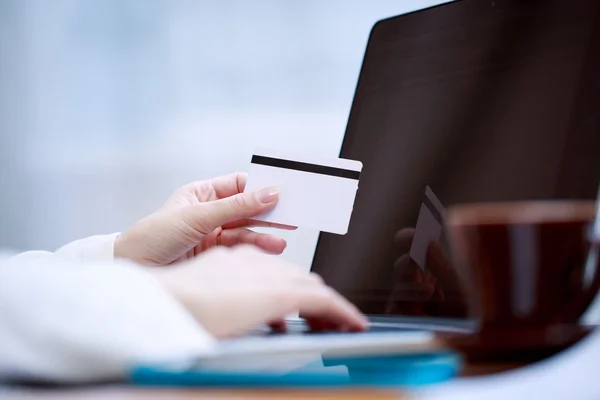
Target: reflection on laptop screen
(468,101)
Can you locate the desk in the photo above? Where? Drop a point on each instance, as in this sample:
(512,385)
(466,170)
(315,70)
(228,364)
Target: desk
(133,393)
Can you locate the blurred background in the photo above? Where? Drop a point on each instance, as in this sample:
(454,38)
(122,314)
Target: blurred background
(107,106)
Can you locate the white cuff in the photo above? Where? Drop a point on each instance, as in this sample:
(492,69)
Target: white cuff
(78,322)
(99,248)
(93,248)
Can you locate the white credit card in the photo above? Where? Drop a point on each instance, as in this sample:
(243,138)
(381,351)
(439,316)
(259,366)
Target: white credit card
(429,227)
(315,192)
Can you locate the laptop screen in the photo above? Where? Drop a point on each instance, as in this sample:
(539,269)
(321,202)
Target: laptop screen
(464,102)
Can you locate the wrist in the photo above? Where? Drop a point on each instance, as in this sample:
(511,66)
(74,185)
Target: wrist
(127,246)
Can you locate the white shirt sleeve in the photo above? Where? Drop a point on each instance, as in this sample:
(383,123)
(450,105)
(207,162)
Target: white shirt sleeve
(93,248)
(77,316)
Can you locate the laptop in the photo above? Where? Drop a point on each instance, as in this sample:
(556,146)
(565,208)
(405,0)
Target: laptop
(463,102)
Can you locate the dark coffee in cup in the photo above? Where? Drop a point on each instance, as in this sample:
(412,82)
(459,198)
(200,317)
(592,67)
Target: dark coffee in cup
(526,266)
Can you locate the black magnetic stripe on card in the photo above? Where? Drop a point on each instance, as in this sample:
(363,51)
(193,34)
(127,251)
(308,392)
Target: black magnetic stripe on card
(305,167)
(433,209)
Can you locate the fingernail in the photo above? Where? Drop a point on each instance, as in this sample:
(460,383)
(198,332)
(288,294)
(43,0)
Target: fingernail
(267,195)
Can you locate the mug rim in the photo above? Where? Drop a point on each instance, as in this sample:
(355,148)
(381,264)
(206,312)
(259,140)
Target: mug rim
(519,212)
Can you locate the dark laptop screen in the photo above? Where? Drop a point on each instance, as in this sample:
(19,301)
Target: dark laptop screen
(468,101)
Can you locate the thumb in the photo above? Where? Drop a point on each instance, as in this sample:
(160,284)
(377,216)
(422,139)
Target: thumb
(210,215)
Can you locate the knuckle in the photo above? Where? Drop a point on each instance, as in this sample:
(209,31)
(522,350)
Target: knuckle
(316,278)
(326,294)
(239,201)
(203,189)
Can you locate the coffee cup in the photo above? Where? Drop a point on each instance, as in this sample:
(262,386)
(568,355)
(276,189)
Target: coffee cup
(528,267)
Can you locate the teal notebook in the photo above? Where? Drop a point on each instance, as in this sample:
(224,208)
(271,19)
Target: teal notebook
(404,370)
